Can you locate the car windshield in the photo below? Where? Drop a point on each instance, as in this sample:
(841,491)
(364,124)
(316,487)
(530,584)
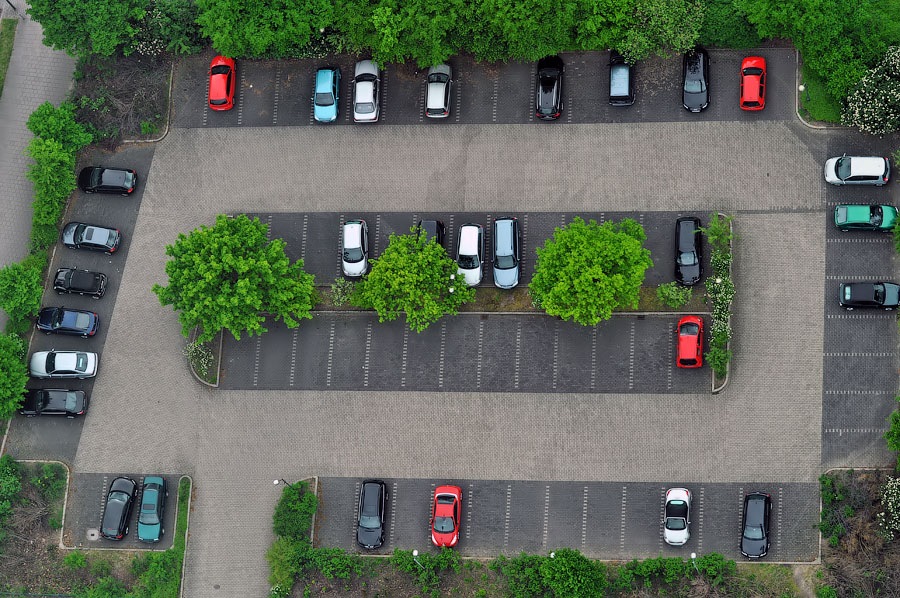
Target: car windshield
(81,362)
(754,532)
(752,70)
(689,329)
(876,216)
(365,107)
(369,521)
(324,99)
(443,525)
(676,523)
(71,401)
(879,293)
(438,78)
(220,69)
(694,86)
(79,232)
(353,254)
(687,258)
(51,362)
(467,262)
(842,168)
(505,262)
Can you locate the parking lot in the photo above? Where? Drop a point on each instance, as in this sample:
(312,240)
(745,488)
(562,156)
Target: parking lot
(610,520)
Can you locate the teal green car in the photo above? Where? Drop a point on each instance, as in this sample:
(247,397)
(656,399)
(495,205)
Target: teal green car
(153,507)
(856,217)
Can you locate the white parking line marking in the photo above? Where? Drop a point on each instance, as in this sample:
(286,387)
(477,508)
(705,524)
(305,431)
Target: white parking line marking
(393,510)
(866,241)
(853,278)
(858,392)
(494,96)
(518,355)
(546,516)
(420,102)
(377,237)
(383,99)
(778,509)
(404,354)
(506,518)
(524,243)
(555,354)
(622,530)
(631,358)
(269,227)
(277,91)
(443,352)
(368,353)
(848,431)
(568,109)
(480,350)
(672,350)
(740,510)
(662,517)
(240,98)
(293,356)
(458,99)
(584,512)
(339,243)
(468,501)
(330,355)
(256,360)
(876,316)
(699,509)
(891,354)
(593,357)
(206,109)
(303,238)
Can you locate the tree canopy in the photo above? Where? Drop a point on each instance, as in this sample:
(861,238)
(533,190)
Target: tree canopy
(230,277)
(414,277)
(87,27)
(587,270)
(13,374)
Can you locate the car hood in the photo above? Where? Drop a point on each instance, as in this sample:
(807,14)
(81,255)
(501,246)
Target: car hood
(891,295)
(84,177)
(354,268)
(753,548)
(45,318)
(676,537)
(68,234)
(472,277)
(326,113)
(148,532)
(370,538)
(506,279)
(695,102)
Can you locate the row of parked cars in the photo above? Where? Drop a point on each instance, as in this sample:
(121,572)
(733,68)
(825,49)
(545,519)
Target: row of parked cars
(446,514)
(116,517)
(548,102)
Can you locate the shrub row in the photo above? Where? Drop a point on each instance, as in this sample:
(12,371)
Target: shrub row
(719,293)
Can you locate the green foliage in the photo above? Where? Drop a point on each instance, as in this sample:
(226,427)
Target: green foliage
(88,26)
(715,567)
(75,560)
(53,175)
(43,236)
(332,563)
(874,106)
(229,276)
(22,285)
(59,124)
(200,356)
(51,483)
(570,573)
(896,233)
(284,565)
(523,575)
(815,101)
(343,288)
(673,294)
(168,25)
(587,270)
(268,28)
(13,374)
(725,26)
(7,40)
(106,587)
(161,576)
(718,232)
(889,519)
(10,487)
(414,277)
(892,435)
(837,495)
(718,357)
(294,512)
(426,567)
(826,592)
(662,27)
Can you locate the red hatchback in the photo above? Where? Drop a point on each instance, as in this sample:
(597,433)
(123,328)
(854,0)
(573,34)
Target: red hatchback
(221,83)
(446,510)
(753,83)
(690,342)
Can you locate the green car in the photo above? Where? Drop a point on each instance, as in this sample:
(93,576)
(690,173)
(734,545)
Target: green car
(153,507)
(855,217)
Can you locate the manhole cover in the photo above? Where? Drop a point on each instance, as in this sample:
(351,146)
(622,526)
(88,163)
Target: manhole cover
(93,534)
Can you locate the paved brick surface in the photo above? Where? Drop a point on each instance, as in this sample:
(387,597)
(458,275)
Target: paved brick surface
(36,75)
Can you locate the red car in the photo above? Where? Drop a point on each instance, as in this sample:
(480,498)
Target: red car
(690,342)
(753,83)
(221,83)
(445,515)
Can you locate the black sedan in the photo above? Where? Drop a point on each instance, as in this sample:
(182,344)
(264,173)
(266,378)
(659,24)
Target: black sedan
(755,525)
(548,103)
(97,179)
(62,320)
(54,401)
(880,295)
(119,502)
(695,73)
(80,282)
(370,515)
(688,251)
(78,235)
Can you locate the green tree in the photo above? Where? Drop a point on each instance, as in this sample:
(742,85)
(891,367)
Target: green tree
(587,270)
(59,124)
(892,435)
(22,285)
(53,175)
(661,27)
(602,24)
(414,276)
(267,28)
(229,277)
(874,106)
(13,374)
(87,27)
(724,25)
(570,573)
(522,29)
(169,25)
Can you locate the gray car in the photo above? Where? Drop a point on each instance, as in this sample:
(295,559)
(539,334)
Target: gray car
(366,84)
(505,254)
(437,91)
(63,364)
(857,170)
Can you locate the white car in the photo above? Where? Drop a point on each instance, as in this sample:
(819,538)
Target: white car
(63,364)
(857,170)
(355,248)
(677,522)
(366,85)
(470,253)
(437,92)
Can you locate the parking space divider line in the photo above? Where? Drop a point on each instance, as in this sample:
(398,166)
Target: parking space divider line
(494,97)
(403,363)
(622,522)
(883,354)
(842,431)
(480,354)
(368,353)
(858,392)
(458,99)
(277,91)
(303,238)
(700,520)
(518,354)
(355,514)
(256,360)
(584,515)
(443,350)
(779,510)
(525,259)
(384,94)
(631,358)
(393,510)
(672,350)
(859,277)
(377,237)
(269,227)
(506,518)
(340,234)
(330,355)
(593,358)
(662,518)
(468,507)
(555,354)
(740,510)
(293,355)
(241,100)
(546,516)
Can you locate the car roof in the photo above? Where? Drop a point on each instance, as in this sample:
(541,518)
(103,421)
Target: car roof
(353,234)
(866,165)
(323,80)
(468,237)
(857,212)
(503,228)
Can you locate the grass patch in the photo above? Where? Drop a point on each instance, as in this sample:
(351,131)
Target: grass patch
(815,103)
(7,37)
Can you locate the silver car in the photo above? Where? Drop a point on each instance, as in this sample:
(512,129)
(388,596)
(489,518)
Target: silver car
(505,255)
(470,253)
(355,248)
(366,84)
(857,170)
(437,92)
(63,364)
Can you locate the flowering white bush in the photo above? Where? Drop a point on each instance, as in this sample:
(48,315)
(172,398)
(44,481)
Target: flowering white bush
(874,106)
(889,519)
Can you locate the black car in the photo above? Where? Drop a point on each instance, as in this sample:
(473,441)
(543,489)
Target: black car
(695,71)
(119,502)
(79,282)
(882,295)
(688,251)
(78,235)
(370,519)
(548,103)
(96,179)
(433,229)
(62,320)
(54,401)
(755,532)
(621,81)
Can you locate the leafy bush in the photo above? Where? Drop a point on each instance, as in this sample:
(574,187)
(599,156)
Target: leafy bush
(10,487)
(569,573)
(75,560)
(168,25)
(341,291)
(874,106)
(673,294)
(52,482)
(715,567)
(332,563)
(724,25)
(22,286)
(294,512)
(523,575)
(426,567)
(718,232)
(284,565)
(889,519)
(13,374)
(59,124)
(892,435)
(43,235)
(200,356)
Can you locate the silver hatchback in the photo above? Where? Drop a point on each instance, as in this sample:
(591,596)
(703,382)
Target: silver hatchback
(437,91)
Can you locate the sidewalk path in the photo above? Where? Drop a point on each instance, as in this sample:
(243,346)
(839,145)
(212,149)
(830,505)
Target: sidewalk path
(36,75)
